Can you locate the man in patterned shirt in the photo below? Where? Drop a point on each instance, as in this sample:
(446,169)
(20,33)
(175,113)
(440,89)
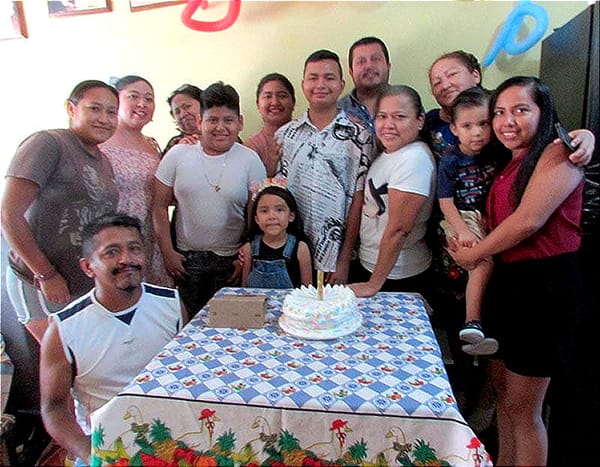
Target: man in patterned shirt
(325,157)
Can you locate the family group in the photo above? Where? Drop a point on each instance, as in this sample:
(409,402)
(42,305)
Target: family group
(113,237)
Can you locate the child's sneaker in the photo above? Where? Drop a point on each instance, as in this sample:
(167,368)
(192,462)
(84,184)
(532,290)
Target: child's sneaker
(471,332)
(485,346)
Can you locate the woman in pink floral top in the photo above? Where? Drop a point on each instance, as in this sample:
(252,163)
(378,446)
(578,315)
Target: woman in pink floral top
(134,158)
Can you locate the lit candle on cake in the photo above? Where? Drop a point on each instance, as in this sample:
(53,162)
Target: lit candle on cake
(320,277)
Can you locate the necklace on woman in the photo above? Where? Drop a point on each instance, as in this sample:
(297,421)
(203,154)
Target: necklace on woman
(217,185)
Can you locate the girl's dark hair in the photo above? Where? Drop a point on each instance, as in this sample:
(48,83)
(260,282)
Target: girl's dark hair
(545,134)
(125,81)
(387,90)
(81,88)
(294,227)
(276,77)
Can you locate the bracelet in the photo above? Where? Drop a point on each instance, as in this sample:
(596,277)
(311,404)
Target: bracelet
(46,276)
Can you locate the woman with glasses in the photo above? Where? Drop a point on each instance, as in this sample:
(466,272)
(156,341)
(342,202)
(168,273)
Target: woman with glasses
(135,157)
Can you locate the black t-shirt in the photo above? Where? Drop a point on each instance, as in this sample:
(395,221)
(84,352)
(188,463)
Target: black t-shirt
(293,266)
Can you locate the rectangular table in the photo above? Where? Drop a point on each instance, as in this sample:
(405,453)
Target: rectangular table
(380,396)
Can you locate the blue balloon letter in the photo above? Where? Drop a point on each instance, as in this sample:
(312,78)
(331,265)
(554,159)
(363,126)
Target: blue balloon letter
(507,39)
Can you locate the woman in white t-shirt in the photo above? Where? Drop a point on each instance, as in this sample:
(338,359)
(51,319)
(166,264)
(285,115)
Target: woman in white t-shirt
(399,194)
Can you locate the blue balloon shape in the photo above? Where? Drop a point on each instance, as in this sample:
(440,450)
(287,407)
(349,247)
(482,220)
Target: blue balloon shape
(507,39)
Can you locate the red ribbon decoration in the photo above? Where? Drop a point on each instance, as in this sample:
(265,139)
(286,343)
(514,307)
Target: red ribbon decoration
(233,12)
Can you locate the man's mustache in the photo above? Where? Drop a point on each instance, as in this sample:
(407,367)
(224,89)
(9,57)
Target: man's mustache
(127,266)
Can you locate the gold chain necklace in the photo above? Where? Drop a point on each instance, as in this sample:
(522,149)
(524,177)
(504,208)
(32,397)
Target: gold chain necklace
(216,186)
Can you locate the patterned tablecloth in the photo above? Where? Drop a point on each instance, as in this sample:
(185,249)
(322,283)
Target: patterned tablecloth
(380,396)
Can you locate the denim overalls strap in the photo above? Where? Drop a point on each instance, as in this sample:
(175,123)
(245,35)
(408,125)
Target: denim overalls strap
(289,247)
(271,273)
(255,245)
(287,250)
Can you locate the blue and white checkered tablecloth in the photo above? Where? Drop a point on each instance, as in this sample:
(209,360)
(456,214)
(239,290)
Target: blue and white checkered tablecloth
(392,364)
(379,396)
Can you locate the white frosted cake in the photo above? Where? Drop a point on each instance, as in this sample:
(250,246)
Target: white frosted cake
(305,316)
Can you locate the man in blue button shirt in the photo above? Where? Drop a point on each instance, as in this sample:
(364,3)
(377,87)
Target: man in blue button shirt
(369,62)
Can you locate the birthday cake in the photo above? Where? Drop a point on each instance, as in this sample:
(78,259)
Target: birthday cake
(304,315)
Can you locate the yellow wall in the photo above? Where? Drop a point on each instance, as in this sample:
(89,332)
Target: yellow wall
(39,72)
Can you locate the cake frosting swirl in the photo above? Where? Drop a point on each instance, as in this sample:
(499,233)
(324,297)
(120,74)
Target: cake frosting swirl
(305,316)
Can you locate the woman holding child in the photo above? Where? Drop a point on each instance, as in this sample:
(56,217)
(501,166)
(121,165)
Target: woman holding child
(534,209)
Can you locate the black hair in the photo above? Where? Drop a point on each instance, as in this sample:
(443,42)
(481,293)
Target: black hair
(367,41)
(276,77)
(545,133)
(387,90)
(81,88)
(97,225)
(220,94)
(469,98)
(323,54)
(294,227)
(125,81)
(189,90)
(469,60)
(399,90)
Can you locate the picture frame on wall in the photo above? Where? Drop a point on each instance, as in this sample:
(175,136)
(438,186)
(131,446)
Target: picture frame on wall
(78,7)
(138,5)
(12,21)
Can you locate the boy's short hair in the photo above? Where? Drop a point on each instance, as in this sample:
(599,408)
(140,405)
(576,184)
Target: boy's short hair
(323,54)
(95,226)
(469,98)
(220,94)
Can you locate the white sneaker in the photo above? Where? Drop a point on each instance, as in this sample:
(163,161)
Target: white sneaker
(471,332)
(486,346)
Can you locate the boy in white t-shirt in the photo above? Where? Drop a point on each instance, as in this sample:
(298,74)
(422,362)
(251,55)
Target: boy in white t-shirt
(211,183)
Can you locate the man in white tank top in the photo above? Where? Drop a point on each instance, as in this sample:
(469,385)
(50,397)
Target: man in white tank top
(97,344)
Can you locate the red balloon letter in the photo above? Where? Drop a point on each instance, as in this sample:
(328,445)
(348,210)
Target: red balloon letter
(233,12)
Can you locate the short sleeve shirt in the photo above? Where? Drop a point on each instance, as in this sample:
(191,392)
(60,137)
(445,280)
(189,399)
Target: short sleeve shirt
(210,219)
(324,169)
(354,108)
(465,179)
(442,140)
(76,186)
(411,169)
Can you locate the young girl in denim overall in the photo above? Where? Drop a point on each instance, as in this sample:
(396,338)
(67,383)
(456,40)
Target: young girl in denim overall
(277,257)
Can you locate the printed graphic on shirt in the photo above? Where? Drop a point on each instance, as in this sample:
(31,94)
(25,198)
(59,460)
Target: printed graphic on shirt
(324,169)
